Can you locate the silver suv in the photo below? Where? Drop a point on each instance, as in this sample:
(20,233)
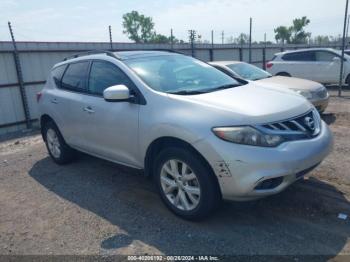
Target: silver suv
(200,134)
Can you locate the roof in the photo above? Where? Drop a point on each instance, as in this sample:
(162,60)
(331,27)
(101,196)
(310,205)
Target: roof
(305,49)
(125,55)
(121,55)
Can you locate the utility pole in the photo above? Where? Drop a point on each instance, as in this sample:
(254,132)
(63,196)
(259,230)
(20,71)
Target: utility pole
(171,39)
(20,79)
(110,37)
(222,37)
(264,52)
(211,51)
(192,38)
(250,40)
(342,50)
(347,29)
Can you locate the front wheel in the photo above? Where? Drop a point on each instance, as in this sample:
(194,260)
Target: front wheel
(186,184)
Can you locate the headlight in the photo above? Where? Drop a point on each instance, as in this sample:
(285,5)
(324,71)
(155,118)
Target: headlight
(248,136)
(306,94)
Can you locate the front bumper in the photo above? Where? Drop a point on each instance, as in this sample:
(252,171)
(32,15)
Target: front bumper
(320,104)
(241,168)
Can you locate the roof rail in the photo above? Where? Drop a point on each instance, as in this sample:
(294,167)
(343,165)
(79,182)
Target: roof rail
(151,49)
(92,52)
(170,51)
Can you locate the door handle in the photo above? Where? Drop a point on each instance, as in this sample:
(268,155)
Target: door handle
(54,101)
(89,110)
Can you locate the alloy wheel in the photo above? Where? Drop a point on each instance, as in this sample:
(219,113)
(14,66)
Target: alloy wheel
(180,185)
(53,143)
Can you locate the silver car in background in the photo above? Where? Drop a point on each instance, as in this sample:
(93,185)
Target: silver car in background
(315,92)
(201,135)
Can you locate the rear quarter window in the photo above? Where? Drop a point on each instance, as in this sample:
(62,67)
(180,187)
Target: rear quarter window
(57,74)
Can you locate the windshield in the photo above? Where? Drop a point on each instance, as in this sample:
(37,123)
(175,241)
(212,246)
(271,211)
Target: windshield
(179,74)
(249,72)
(346,53)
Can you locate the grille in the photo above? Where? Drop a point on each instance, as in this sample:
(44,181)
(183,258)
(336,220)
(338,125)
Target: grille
(308,124)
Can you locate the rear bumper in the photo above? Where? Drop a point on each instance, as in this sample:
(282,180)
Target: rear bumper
(240,169)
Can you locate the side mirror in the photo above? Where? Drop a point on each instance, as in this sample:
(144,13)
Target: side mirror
(118,93)
(336,59)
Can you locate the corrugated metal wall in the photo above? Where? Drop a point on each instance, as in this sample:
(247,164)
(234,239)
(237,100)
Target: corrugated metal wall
(37,58)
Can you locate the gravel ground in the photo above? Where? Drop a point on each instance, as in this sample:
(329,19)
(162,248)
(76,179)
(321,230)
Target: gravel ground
(94,207)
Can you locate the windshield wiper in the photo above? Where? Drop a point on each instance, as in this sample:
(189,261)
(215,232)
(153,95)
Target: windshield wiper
(186,92)
(222,87)
(203,91)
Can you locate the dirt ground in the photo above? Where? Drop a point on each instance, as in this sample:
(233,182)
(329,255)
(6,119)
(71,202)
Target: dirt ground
(93,207)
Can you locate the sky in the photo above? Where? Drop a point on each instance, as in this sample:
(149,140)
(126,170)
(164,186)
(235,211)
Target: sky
(88,20)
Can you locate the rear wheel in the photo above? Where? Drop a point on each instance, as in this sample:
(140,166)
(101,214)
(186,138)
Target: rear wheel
(186,186)
(59,151)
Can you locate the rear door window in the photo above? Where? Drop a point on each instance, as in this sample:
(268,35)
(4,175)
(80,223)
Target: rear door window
(75,77)
(307,56)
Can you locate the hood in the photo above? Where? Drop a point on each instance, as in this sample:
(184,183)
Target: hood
(290,83)
(251,103)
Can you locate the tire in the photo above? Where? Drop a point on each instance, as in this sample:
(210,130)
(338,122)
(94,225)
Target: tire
(283,74)
(197,185)
(347,81)
(59,151)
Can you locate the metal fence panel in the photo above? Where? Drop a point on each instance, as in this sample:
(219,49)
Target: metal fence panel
(223,54)
(11,109)
(7,69)
(203,55)
(37,58)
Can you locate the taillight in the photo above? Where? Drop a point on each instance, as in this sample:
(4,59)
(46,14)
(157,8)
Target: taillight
(269,65)
(38,96)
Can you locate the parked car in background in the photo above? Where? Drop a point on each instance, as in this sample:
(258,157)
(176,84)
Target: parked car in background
(200,134)
(315,92)
(317,64)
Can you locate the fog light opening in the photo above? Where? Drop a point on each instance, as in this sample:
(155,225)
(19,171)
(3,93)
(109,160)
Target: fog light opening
(269,183)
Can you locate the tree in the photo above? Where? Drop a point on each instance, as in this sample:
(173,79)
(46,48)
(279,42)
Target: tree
(138,27)
(299,36)
(321,40)
(294,34)
(242,39)
(230,40)
(159,39)
(282,34)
